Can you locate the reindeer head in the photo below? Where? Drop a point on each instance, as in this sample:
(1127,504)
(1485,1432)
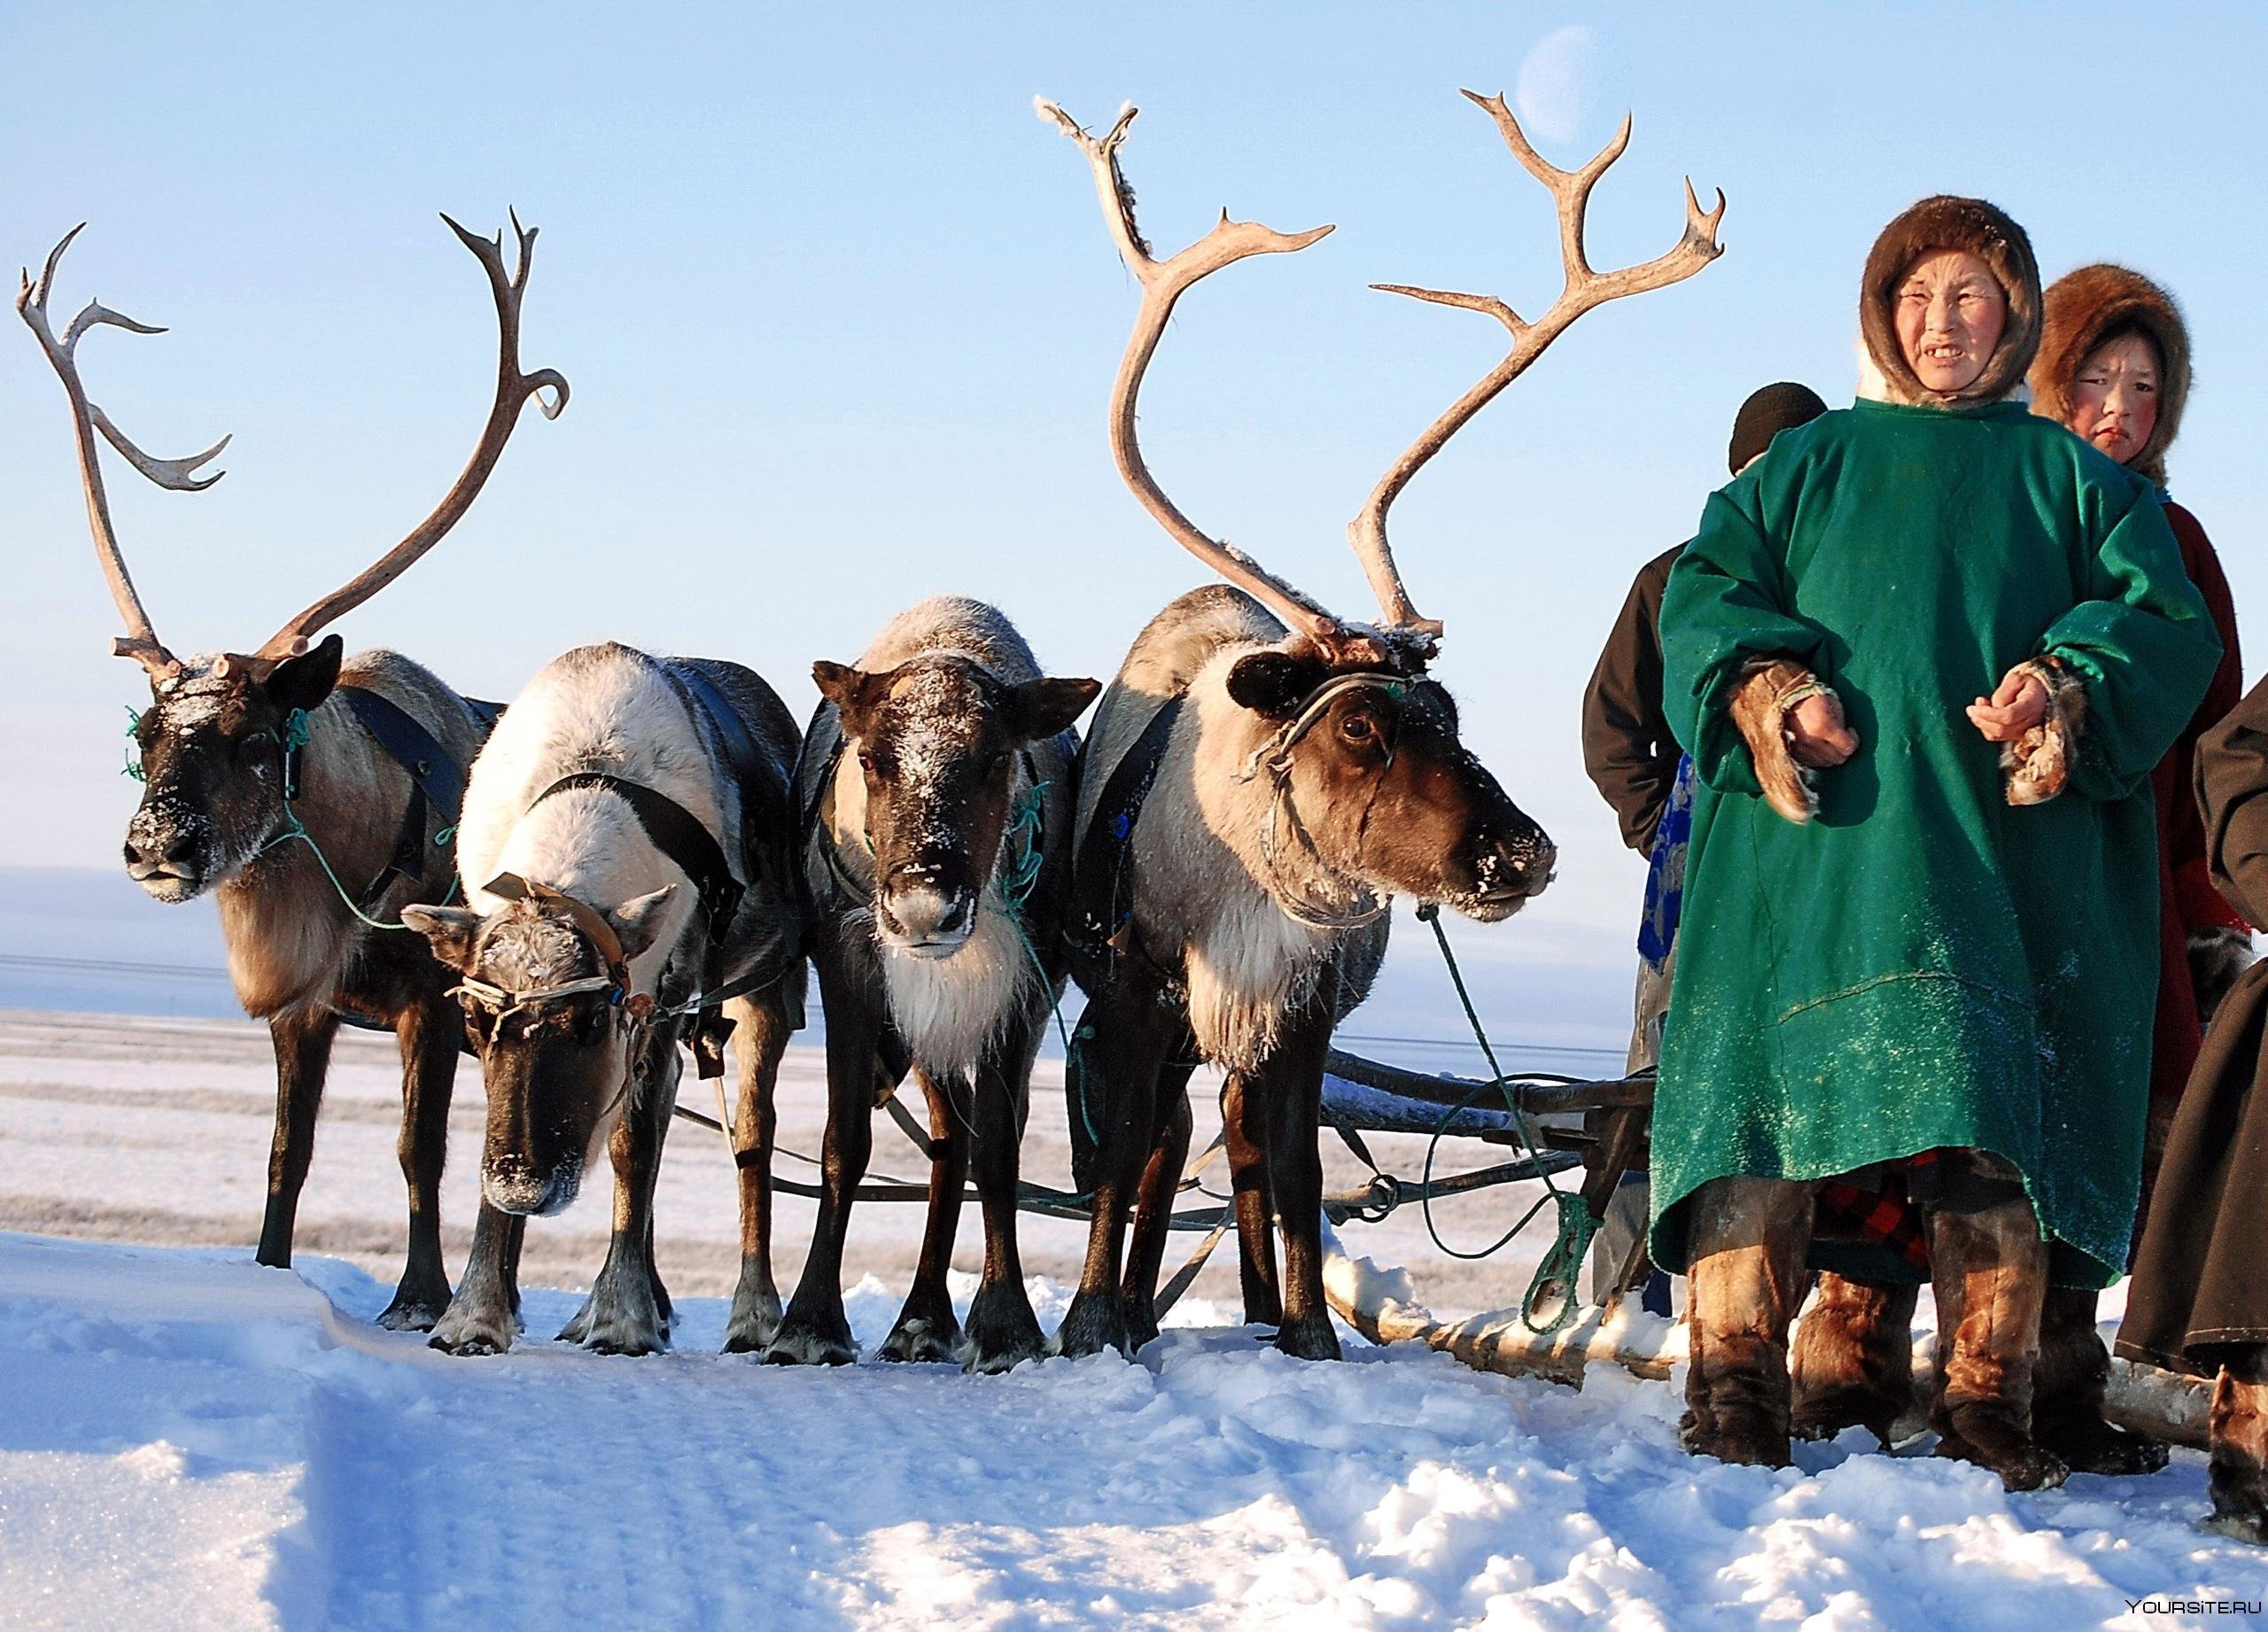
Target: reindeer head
(548,1007)
(1372,787)
(937,740)
(1370,780)
(217,742)
(219,762)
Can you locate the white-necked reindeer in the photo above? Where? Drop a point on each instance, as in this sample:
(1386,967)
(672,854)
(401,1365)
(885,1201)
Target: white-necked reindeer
(1252,797)
(935,801)
(625,847)
(314,794)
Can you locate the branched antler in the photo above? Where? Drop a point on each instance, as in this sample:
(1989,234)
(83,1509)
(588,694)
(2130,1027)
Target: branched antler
(1164,283)
(1584,289)
(513,390)
(140,641)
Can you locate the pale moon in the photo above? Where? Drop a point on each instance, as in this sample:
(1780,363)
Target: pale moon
(1555,84)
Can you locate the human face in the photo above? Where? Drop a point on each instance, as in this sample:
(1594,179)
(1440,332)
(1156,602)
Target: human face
(1951,310)
(2115,399)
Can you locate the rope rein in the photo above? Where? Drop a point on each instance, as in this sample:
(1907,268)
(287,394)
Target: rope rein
(1563,1258)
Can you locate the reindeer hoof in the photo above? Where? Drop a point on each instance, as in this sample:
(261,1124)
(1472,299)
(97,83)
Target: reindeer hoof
(1093,1323)
(468,1331)
(808,1340)
(1743,1438)
(2020,1465)
(754,1323)
(2090,1445)
(923,1339)
(1308,1338)
(1003,1332)
(407,1313)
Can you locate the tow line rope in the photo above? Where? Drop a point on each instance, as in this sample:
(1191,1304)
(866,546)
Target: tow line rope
(1571,1242)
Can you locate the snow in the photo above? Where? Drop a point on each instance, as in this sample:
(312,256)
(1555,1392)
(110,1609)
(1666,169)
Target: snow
(190,1441)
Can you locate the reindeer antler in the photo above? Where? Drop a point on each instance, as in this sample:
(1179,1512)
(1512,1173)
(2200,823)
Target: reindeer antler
(1164,283)
(1584,289)
(140,641)
(513,390)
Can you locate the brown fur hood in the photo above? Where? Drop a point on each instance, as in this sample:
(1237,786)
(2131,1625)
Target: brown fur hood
(1946,222)
(2084,309)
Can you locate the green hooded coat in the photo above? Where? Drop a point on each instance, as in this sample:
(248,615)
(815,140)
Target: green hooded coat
(1923,965)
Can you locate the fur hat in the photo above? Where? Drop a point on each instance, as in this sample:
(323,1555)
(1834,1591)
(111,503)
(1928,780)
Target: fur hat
(2083,309)
(1945,222)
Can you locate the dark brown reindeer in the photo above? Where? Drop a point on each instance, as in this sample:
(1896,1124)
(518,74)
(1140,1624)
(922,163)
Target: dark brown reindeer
(935,789)
(286,779)
(1254,790)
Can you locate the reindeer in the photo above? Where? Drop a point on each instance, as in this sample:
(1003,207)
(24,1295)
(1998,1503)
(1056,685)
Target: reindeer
(1254,790)
(629,818)
(935,797)
(313,794)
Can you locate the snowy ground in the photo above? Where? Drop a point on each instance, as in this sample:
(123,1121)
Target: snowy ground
(190,1441)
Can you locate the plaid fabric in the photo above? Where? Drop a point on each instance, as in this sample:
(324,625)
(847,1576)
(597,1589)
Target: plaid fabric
(1887,1216)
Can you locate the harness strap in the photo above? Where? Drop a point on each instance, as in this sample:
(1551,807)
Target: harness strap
(1100,924)
(677,833)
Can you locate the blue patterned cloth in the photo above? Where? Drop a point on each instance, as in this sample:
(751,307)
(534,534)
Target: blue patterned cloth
(1666,871)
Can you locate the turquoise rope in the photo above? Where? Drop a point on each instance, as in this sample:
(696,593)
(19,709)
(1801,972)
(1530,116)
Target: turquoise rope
(296,729)
(1564,1259)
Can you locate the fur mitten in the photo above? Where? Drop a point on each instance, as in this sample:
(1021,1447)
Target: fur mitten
(2038,765)
(1769,687)
(2217,955)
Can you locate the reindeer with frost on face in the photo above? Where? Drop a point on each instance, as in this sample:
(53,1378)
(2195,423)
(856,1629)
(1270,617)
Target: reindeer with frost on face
(934,791)
(281,779)
(1254,792)
(627,824)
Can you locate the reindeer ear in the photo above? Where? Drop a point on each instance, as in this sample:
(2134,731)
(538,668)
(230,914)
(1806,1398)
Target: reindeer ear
(637,922)
(1037,710)
(449,931)
(304,681)
(854,692)
(1275,683)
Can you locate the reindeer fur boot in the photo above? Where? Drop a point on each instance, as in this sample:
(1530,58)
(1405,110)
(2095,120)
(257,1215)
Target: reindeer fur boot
(1750,1236)
(1853,1364)
(2237,1430)
(2067,1388)
(1990,1272)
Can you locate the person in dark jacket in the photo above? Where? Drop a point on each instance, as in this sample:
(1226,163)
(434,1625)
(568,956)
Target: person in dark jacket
(2199,1303)
(1640,771)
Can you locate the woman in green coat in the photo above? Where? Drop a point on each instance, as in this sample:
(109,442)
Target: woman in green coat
(1925,658)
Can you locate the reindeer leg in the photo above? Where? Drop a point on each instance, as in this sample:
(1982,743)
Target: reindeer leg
(1129,1034)
(625,1312)
(1290,1084)
(484,1316)
(815,1330)
(302,1039)
(1003,1332)
(926,1328)
(1146,1256)
(760,1032)
(428,1036)
(1248,1152)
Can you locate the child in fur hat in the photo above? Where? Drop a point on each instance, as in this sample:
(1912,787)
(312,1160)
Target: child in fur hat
(1910,955)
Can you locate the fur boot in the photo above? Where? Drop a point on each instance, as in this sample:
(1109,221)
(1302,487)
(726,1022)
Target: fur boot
(2068,1386)
(2238,1430)
(1750,1236)
(1853,1360)
(1990,1272)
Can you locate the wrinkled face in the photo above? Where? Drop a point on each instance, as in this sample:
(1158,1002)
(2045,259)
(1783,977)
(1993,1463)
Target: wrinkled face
(555,1071)
(1950,310)
(212,768)
(2115,399)
(936,741)
(1388,794)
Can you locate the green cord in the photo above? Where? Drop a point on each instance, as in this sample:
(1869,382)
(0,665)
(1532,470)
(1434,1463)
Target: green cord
(1563,1260)
(296,729)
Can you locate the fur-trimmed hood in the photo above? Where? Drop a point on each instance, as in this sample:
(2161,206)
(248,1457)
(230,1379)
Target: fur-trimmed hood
(2084,308)
(1947,222)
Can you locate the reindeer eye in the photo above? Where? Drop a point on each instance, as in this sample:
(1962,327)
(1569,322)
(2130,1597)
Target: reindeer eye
(1357,728)
(999,763)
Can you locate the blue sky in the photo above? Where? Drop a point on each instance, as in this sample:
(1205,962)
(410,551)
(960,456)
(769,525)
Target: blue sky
(840,314)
